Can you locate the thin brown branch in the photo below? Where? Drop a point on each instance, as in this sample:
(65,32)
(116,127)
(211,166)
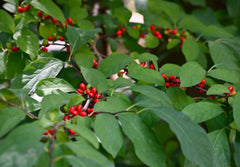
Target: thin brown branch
(21,108)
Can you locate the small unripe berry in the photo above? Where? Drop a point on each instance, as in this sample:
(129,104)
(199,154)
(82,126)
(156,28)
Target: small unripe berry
(20,9)
(233,93)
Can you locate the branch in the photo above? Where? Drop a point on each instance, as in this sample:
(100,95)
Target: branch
(52,142)
(86,104)
(115,113)
(21,108)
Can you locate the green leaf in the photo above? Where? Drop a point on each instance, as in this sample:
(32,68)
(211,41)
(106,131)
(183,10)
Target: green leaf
(14,68)
(197,3)
(146,145)
(213,31)
(83,128)
(237,149)
(170,69)
(82,149)
(192,24)
(6,22)
(217,89)
(49,85)
(151,41)
(78,37)
(188,134)
(122,82)
(113,44)
(3,63)
(37,70)
(191,73)
(233,10)
(22,146)
(114,63)
(85,24)
(144,57)
(154,95)
(223,56)
(95,78)
(190,49)
(179,98)
(84,57)
(113,104)
(223,74)
(123,14)
(47,29)
(49,8)
(133,32)
(173,43)
(108,131)
(77,161)
(77,12)
(9,118)
(202,111)
(220,148)
(27,42)
(236,109)
(136,71)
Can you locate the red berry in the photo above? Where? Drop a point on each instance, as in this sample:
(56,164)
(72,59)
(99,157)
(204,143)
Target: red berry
(135,27)
(44,49)
(66,25)
(203,81)
(72,108)
(123,29)
(159,36)
(142,35)
(50,131)
(94,90)
(152,27)
(180,45)
(119,32)
(47,17)
(168,30)
(177,80)
(15,49)
(83,113)
(88,91)
(66,117)
(61,38)
(80,91)
(79,108)
(156,33)
(183,39)
(143,64)
(200,91)
(50,38)
(95,63)
(167,84)
(171,77)
(95,101)
(164,76)
(152,67)
(211,97)
(46,132)
(54,20)
(82,86)
(174,31)
(91,95)
(20,9)
(71,131)
(69,20)
(230,88)
(68,48)
(27,7)
(98,95)
(89,110)
(39,13)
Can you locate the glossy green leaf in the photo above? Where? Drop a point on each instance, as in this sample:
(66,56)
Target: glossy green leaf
(77,161)
(113,44)
(236,109)
(146,145)
(3,63)
(188,134)
(84,57)
(217,89)
(83,128)
(77,12)
(220,148)
(122,82)
(192,24)
(78,37)
(133,32)
(123,14)
(9,118)
(136,71)
(108,131)
(223,74)
(37,70)
(82,149)
(114,63)
(202,111)
(47,29)
(213,31)
(49,85)
(190,49)
(112,104)
(85,24)
(233,10)
(237,149)
(13,68)
(144,57)
(49,8)
(191,73)
(95,78)
(6,22)
(173,43)
(197,3)
(22,146)
(179,98)
(154,95)
(170,69)
(27,42)
(223,56)
(151,41)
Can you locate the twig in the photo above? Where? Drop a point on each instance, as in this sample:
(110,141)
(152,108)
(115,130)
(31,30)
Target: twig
(86,104)
(115,113)
(52,142)
(21,108)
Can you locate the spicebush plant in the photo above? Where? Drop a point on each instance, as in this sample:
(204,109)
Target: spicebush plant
(85,83)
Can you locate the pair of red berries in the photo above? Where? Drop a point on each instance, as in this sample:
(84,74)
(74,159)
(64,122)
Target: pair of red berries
(50,38)
(21,9)
(120,32)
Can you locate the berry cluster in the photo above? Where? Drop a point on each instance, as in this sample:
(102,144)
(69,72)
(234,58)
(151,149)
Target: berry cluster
(120,32)
(23,9)
(171,81)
